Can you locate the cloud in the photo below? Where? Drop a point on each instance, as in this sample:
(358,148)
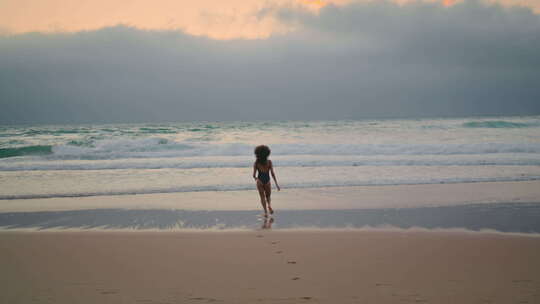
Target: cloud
(217,19)
(358,60)
(467,33)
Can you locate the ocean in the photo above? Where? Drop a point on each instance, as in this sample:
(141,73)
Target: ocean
(46,161)
(197,175)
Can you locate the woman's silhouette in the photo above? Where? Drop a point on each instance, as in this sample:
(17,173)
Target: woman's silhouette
(264,167)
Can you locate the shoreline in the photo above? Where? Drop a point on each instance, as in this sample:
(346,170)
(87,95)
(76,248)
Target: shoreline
(514,217)
(457,232)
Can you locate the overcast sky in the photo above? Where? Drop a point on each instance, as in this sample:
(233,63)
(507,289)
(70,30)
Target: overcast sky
(353,60)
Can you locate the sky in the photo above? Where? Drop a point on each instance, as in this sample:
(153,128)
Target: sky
(65,61)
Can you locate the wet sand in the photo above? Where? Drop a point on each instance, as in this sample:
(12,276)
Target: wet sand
(268,266)
(503,217)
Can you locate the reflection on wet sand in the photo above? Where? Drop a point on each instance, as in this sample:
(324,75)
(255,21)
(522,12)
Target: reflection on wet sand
(505,217)
(267,224)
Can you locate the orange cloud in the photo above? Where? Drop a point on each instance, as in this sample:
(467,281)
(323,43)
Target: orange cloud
(314,3)
(216,19)
(213,18)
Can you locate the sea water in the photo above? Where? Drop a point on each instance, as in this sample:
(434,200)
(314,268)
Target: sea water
(42,161)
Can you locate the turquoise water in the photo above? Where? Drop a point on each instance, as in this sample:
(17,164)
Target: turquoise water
(88,160)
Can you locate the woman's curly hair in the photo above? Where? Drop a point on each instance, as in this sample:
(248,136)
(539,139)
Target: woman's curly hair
(262,152)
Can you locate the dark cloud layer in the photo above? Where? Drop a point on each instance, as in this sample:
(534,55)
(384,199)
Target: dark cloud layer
(361,60)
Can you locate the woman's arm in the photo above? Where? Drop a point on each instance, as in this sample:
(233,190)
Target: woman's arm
(274,175)
(254,170)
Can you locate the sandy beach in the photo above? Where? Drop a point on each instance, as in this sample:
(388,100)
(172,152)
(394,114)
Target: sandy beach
(269,267)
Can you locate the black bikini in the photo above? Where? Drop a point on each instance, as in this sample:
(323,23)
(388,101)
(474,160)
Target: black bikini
(264,177)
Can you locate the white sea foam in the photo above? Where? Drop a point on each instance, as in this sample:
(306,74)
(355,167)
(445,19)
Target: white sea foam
(503,159)
(243,187)
(160,147)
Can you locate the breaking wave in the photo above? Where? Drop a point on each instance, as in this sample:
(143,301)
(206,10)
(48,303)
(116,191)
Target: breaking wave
(155,147)
(161,147)
(26,150)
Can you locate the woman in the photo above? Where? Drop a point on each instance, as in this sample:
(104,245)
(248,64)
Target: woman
(264,166)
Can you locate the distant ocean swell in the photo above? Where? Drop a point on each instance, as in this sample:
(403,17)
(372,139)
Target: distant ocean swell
(251,187)
(118,130)
(127,129)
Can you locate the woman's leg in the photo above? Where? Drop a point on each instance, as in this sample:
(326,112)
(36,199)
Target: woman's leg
(268,192)
(260,187)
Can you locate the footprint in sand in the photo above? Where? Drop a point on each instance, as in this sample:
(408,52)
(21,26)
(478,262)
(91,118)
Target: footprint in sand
(278,252)
(416,297)
(291,262)
(204,299)
(295,278)
(274,243)
(107,291)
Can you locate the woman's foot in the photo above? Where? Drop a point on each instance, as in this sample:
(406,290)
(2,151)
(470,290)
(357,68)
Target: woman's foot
(271,210)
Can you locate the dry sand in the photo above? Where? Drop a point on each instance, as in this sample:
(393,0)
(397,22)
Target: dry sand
(269,267)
